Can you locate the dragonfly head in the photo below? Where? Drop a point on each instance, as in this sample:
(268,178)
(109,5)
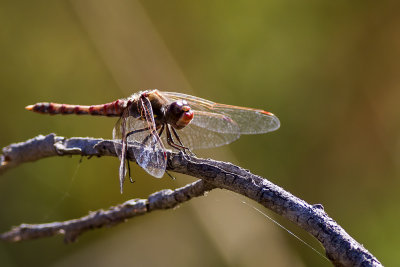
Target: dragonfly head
(179,114)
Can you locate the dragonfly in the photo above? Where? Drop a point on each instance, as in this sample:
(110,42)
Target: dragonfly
(152,119)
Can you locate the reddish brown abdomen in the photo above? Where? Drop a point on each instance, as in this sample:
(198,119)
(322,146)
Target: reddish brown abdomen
(112,109)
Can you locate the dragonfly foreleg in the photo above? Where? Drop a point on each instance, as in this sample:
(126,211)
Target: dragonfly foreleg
(172,143)
(147,138)
(180,142)
(137,131)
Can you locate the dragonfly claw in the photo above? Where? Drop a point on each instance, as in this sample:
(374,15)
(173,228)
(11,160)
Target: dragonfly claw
(170,175)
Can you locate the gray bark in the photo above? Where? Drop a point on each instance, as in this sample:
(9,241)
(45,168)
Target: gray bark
(340,247)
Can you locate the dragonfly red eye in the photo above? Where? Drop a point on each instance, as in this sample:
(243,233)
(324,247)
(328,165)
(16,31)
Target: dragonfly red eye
(185,118)
(188,115)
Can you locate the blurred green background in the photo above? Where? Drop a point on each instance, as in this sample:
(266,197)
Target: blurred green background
(329,70)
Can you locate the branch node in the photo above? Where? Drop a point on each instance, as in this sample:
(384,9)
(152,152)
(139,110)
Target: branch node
(318,206)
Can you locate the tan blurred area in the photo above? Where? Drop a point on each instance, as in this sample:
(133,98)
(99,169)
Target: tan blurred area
(329,71)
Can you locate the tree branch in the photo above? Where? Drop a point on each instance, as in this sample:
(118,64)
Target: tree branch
(164,199)
(340,247)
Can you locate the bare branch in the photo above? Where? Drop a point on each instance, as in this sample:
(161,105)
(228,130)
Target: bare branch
(340,247)
(71,229)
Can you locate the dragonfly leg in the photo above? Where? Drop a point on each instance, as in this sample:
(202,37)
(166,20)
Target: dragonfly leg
(137,131)
(129,171)
(150,134)
(172,143)
(170,175)
(184,148)
(147,138)
(161,130)
(142,130)
(179,140)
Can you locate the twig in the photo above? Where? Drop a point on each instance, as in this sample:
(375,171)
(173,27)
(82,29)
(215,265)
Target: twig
(340,247)
(71,229)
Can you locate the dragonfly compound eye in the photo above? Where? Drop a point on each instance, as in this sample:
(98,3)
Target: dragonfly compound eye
(186,117)
(179,114)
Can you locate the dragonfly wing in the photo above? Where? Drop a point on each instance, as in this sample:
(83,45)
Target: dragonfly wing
(150,155)
(249,120)
(208,130)
(119,133)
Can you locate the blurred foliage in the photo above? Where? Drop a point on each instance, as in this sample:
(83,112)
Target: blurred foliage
(329,70)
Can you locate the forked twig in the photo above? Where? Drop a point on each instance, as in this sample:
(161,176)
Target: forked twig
(340,247)
(71,229)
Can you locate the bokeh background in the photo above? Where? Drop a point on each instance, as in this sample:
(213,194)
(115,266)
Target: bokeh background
(329,70)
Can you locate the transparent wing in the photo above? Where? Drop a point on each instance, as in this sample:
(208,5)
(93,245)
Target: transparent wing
(151,155)
(119,133)
(249,121)
(208,130)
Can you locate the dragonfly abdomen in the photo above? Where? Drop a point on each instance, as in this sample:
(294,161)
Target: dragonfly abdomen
(113,109)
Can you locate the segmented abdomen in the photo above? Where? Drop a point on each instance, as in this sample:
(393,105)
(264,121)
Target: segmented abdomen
(112,109)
